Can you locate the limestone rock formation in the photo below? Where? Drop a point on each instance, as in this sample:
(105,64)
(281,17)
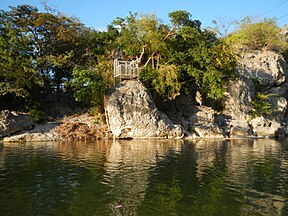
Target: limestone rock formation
(13,122)
(258,71)
(202,124)
(264,70)
(265,67)
(132,113)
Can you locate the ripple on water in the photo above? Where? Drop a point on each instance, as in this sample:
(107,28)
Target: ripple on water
(150,178)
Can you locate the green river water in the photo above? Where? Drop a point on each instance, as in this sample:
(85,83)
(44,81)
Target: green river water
(159,177)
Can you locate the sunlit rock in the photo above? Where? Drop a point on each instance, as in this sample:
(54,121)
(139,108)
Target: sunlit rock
(267,67)
(202,124)
(132,113)
(264,127)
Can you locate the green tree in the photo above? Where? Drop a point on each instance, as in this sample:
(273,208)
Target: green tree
(262,35)
(175,57)
(16,61)
(202,59)
(40,50)
(89,86)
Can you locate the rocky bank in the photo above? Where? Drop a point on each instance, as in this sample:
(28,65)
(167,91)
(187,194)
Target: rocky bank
(132,113)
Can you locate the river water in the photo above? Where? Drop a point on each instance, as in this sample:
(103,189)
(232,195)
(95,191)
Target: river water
(162,177)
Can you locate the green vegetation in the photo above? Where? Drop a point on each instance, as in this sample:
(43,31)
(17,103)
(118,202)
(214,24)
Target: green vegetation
(261,106)
(46,53)
(177,57)
(89,86)
(263,35)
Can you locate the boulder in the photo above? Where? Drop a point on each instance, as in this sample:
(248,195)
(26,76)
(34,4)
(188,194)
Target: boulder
(132,113)
(13,122)
(202,124)
(40,133)
(267,67)
(263,127)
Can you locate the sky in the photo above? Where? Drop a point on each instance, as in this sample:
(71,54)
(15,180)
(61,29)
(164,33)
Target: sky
(99,13)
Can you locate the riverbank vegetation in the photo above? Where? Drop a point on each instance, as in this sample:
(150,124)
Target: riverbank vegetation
(47,53)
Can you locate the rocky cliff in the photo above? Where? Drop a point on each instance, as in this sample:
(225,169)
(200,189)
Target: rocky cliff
(132,112)
(264,72)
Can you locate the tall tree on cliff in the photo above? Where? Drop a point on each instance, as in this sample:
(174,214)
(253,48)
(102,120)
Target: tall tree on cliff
(201,58)
(145,37)
(177,56)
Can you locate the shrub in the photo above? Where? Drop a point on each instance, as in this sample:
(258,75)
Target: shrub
(260,105)
(89,86)
(263,35)
(164,80)
(37,115)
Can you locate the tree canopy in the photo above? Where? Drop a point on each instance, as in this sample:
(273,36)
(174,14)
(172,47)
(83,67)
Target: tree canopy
(258,35)
(46,53)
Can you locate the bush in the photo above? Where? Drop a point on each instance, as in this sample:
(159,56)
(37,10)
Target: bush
(164,80)
(37,115)
(264,35)
(89,86)
(260,105)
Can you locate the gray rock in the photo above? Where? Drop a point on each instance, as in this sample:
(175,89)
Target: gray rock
(278,101)
(133,114)
(14,122)
(202,124)
(238,98)
(237,108)
(41,133)
(262,127)
(267,67)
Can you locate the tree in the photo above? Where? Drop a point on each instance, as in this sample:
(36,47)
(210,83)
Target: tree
(89,86)
(16,61)
(40,50)
(202,59)
(263,35)
(175,57)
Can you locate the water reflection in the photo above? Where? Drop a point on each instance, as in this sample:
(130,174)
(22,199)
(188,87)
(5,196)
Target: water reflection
(160,177)
(128,168)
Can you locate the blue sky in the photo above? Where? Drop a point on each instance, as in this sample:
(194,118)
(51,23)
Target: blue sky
(99,13)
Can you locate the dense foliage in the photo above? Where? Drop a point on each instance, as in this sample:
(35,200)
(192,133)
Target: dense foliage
(39,51)
(261,35)
(176,58)
(44,53)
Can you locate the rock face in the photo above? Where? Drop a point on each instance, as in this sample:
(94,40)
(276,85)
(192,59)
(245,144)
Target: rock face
(202,124)
(267,72)
(13,122)
(265,67)
(133,114)
(259,71)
